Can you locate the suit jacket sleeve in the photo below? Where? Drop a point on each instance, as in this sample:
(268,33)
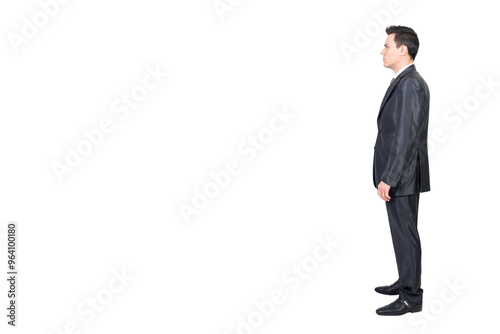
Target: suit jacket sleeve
(409,105)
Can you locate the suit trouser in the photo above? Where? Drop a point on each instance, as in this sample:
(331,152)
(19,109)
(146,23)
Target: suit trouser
(403,213)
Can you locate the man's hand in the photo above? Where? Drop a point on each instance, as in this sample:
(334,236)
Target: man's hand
(383,191)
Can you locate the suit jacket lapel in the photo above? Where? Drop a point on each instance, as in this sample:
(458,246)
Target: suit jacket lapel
(392,85)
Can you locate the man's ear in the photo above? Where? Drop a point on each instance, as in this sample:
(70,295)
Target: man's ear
(404,50)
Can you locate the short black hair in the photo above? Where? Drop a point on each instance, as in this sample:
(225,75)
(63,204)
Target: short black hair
(406,36)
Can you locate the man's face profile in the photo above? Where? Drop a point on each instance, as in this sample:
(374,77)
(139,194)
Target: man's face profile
(390,52)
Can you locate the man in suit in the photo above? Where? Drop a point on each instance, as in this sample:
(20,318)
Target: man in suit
(401,166)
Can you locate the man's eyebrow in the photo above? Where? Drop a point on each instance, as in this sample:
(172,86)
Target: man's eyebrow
(385,44)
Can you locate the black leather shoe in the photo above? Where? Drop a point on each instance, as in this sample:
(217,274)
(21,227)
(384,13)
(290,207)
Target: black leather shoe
(399,307)
(392,289)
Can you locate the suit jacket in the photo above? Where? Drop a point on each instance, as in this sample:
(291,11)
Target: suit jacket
(400,156)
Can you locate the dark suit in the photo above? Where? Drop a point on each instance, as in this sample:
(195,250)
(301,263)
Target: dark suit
(401,161)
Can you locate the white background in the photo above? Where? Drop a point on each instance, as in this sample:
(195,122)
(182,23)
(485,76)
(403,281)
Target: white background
(119,209)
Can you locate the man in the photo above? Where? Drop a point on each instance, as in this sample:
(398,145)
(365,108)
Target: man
(400,164)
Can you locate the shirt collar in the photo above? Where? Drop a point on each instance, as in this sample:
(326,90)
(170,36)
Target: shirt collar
(401,70)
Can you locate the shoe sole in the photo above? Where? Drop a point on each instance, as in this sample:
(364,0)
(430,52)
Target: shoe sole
(414,310)
(388,293)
